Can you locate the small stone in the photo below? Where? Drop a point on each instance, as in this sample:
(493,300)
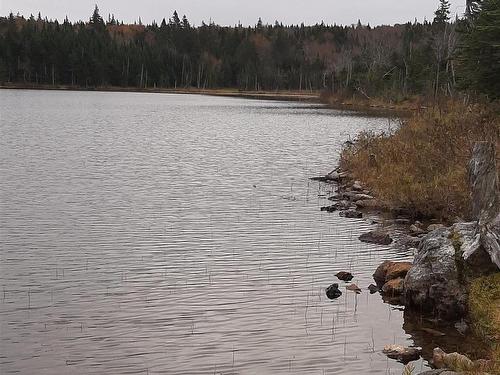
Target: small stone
(461,327)
(333,291)
(357,186)
(401,353)
(373,288)
(344,276)
(378,237)
(416,230)
(371,204)
(351,214)
(331,208)
(452,361)
(360,197)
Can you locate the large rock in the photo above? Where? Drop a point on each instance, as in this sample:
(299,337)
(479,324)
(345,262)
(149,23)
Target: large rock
(379,237)
(434,283)
(447,258)
(485,194)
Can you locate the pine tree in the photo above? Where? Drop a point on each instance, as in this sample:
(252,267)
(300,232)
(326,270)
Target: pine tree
(185,22)
(480,51)
(442,14)
(473,7)
(175,20)
(96,20)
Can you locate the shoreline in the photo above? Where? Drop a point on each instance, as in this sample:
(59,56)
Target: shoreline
(226,92)
(378,108)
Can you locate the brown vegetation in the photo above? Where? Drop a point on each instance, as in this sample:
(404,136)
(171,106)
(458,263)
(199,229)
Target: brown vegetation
(422,165)
(484,306)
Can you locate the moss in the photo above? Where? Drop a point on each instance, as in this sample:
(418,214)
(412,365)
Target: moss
(456,241)
(484,309)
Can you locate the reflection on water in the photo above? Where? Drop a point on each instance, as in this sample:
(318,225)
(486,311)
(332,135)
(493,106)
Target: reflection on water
(149,233)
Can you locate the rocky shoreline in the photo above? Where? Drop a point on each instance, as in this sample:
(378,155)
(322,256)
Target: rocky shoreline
(447,258)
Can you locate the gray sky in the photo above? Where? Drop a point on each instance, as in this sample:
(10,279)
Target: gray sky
(229,12)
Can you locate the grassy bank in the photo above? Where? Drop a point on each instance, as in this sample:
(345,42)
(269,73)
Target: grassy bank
(422,164)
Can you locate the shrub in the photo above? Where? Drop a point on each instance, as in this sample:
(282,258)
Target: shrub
(422,165)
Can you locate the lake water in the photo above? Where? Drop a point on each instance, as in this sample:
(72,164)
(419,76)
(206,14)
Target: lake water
(174,234)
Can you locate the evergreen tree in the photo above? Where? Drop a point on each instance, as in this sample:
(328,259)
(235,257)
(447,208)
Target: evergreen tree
(442,14)
(96,20)
(472,9)
(480,51)
(175,20)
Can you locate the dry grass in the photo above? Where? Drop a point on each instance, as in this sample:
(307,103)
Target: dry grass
(422,165)
(484,306)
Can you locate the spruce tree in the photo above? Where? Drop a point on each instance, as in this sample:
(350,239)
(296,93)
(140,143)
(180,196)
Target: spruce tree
(480,51)
(442,14)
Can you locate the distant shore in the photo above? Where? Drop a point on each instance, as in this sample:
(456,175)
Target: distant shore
(374,107)
(307,96)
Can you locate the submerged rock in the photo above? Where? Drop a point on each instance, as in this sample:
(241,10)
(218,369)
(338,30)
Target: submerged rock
(401,353)
(378,237)
(344,276)
(333,291)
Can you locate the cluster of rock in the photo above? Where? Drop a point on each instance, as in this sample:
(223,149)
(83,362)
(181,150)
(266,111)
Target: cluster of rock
(351,197)
(446,258)
(390,277)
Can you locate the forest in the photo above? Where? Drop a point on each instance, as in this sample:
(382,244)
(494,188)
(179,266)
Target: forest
(430,58)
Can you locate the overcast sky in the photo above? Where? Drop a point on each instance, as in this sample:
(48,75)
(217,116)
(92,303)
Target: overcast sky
(230,12)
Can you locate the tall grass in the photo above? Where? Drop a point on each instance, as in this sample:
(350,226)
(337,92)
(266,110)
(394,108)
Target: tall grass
(484,306)
(422,165)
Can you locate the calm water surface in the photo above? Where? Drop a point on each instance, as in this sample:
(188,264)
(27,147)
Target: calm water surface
(170,234)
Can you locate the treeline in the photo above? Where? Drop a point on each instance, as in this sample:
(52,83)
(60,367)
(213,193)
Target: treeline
(392,61)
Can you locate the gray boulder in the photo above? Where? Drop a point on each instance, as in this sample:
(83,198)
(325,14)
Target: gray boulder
(434,282)
(447,258)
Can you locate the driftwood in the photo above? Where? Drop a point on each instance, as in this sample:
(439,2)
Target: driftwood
(483,180)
